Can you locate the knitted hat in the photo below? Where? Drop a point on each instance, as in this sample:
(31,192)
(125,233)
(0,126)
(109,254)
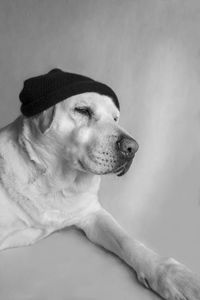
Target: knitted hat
(42,92)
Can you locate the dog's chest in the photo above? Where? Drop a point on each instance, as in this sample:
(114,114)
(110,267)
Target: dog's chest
(49,208)
(62,206)
(64,209)
(54,209)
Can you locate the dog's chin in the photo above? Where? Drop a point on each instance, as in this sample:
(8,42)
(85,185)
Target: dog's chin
(93,169)
(120,170)
(123,168)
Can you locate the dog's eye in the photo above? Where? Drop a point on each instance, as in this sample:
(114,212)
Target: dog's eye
(84,111)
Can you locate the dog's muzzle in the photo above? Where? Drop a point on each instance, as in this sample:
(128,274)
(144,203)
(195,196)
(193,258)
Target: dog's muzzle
(126,147)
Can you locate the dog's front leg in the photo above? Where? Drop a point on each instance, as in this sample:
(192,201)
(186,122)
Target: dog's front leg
(165,276)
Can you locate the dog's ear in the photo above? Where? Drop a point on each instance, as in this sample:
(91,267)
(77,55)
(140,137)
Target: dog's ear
(45,119)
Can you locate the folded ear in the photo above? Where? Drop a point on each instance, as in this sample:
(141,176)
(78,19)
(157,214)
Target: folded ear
(45,119)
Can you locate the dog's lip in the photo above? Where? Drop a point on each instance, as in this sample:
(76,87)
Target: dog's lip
(120,171)
(120,168)
(81,164)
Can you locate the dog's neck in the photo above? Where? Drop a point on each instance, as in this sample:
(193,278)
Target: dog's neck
(46,192)
(55,173)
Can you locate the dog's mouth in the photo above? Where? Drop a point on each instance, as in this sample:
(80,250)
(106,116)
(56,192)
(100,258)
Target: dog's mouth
(121,170)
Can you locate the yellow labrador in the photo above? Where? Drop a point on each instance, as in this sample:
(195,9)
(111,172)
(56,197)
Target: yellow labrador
(50,167)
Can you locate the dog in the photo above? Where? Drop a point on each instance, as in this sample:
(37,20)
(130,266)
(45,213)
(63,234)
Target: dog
(50,171)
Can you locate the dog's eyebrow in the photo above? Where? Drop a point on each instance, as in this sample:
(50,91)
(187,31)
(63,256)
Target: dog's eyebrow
(81,103)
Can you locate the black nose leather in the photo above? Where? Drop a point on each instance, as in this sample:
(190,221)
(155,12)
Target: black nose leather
(127,146)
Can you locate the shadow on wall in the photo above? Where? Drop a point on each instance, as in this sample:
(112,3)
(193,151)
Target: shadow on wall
(167,167)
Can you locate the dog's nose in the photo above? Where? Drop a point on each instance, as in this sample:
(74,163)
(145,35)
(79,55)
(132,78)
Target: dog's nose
(127,146)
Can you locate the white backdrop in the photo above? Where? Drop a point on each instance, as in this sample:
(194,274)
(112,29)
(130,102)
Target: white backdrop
(149,53)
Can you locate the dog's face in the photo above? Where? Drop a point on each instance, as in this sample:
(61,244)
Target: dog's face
(83,131)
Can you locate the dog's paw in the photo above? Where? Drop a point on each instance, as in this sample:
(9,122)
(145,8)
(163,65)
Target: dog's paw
(172,281)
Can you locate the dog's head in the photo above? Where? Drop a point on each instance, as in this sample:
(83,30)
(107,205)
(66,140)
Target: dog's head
(83,132)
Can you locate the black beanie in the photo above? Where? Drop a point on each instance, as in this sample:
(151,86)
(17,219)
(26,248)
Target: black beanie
(42,92)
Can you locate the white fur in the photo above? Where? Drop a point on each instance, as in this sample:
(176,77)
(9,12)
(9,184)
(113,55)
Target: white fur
(44,187)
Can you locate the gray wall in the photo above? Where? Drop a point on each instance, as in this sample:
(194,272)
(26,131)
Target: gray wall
(149,52)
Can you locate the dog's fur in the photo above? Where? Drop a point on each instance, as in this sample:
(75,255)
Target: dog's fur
(50,167)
